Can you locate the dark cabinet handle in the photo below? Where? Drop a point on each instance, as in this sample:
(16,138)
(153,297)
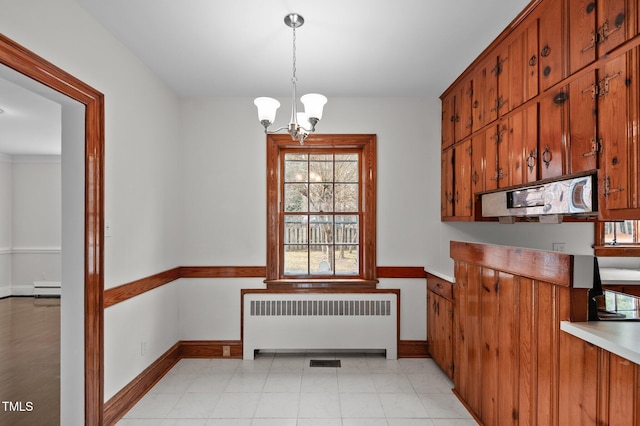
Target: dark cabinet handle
(546,51)
(546,156)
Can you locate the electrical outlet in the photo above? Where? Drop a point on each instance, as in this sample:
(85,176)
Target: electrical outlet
(226,351)
(558,247)
(143,348)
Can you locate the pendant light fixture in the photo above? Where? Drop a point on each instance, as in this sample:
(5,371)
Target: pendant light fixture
(301,123)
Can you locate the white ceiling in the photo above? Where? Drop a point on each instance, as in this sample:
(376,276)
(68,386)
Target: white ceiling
(346,48)
(30,124)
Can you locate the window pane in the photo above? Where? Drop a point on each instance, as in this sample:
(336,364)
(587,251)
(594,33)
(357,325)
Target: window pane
(296,260)
(321,259)
(320,229)
(295,197)
(346,197)
(346,168)
(295,229)
(347,229)
(320,197)
(295,167)
(347,259)
(320,168)
(623,232)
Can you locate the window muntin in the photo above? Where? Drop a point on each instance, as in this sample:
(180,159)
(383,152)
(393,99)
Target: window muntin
(623,232)
(321,212)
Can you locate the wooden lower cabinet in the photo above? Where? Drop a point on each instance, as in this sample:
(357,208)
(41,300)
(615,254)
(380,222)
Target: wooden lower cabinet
(597,387)
(440,322)
(507,342)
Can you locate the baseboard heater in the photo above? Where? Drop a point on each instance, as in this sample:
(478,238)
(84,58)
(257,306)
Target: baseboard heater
(320,321)
(46,289)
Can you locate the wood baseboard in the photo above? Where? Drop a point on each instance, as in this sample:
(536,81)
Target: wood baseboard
(211,349)
(413,349)
(124,400)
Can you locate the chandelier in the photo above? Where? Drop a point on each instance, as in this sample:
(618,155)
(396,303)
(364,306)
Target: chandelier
(301,123)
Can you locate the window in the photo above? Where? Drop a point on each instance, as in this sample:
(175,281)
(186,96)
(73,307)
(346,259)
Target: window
(618,238)
(321,210)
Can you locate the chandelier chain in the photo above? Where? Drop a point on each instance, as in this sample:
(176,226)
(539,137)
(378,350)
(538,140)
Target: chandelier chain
(293,77)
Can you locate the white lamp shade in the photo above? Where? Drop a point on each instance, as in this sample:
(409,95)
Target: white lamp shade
(303,120)
(313,104)
(267,108)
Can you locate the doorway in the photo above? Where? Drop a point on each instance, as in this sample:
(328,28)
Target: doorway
(81,314)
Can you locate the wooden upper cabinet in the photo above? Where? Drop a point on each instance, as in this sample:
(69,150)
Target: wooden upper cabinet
(457,116)
(463,115)
(582,33)
(584,145)
(489,91)
(596,28)
(620,158)
(616,24)
(551,50)
(448,120)
(522,140)
(446,183)
(462,198)
(552,142)
(478,104)
(477,164)
(518,67)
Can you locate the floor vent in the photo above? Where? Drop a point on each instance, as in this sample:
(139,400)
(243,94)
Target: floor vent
(324,363)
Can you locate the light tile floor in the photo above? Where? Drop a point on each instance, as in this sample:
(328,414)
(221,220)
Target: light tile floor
(283,390)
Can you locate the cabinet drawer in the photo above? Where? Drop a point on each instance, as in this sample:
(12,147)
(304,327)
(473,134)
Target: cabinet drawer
(439,286)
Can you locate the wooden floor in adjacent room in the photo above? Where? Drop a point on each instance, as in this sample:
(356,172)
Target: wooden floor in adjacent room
(29,361)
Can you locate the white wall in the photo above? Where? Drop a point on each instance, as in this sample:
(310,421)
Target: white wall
(37,221)
(141,180)
(6,223)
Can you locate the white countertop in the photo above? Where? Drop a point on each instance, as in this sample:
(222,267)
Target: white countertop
(618,337)
(620,276)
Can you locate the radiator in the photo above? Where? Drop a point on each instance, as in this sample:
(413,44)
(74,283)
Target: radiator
(46,288)
(320,321)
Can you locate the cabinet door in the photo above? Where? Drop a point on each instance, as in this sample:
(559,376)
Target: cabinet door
(464,117)
(522,145)
(582,34)
(553,117)
(583,145)
(446,182)
(496,147)
(509,92)
(440,326)
(489,346)
(616,110)
(477,102)
(477,164)
(490,92)
(578,381)
(530,59)
(551,44)
(448,120)
(463,201)
(614,25)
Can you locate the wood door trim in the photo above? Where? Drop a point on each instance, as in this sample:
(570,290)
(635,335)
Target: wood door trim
(33,66)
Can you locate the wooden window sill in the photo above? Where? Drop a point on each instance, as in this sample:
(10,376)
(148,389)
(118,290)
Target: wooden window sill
(314,284)
(617,251)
